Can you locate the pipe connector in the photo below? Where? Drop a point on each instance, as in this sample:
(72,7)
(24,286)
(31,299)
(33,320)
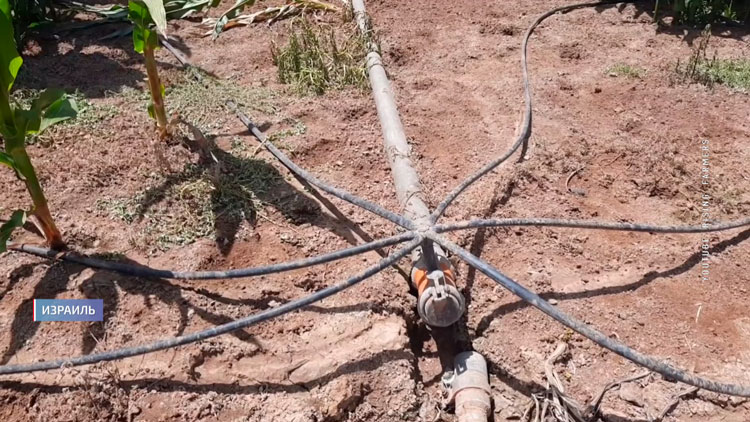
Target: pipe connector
(470,388)
(440,304)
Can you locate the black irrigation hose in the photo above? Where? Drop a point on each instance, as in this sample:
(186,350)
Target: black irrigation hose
(580,224)
(670,372)
(525,132)
(337,192)
(143,271)
(212,332)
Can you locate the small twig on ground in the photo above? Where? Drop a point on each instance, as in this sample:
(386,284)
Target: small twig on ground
(613,161)
(698,314)
(554,401)
(671,406)
(593,409)
(570,177)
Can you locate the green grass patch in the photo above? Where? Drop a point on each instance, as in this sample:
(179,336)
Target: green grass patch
(732,73)
(195,203)
(317,58)
(202,101)
(626,70)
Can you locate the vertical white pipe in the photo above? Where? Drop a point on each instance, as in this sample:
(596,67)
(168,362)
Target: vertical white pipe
(405,178)
(471,395)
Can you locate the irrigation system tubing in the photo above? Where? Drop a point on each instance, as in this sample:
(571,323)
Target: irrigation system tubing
(143,271)
(148,272)
(525,131)
(291,165)
(215,331)
(406,181)
(425,236)
(582,224)
(592,334)
(307,176)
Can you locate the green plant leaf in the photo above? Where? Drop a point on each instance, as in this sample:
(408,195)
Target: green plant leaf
(158,14)
(10,61)
(138,14)
(17,219)
(51,107)
(5,8)
(139,38)
(143,37)
(63,109)
(113,11)
(7,160)
(142,33)
(26,121)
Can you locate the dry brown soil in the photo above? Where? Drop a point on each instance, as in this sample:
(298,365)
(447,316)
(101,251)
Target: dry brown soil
(362,355)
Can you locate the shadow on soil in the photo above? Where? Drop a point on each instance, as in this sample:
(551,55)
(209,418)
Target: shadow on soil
(101,285)
(82,61)
(237,181)
(372,363)
(686,33)
(689,263)
(104,285)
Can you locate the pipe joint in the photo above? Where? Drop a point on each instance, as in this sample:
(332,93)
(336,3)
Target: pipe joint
(440,304)
(470,388)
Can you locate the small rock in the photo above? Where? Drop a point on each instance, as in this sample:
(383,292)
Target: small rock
(633,394)
(553,301)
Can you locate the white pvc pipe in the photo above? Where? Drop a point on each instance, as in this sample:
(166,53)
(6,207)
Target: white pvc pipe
(472,392)
(405,178)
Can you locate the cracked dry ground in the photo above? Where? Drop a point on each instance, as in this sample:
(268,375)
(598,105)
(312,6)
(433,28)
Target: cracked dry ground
(362,355)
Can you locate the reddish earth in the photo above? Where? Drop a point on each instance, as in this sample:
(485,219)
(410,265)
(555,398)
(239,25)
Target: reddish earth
(362,355)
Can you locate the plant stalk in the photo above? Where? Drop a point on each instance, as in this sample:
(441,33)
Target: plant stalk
(41,211)
(154,84)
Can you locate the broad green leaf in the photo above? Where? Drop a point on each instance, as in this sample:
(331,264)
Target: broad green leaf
(63,109)
(27,121)
(175,9)
(158,14)
(7,160)
(5,8)
(138,13)
(46,98)
(113,11)
(10,61)
(17,219)
(139,38)
(143,37)
(142,34)
(51,107)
